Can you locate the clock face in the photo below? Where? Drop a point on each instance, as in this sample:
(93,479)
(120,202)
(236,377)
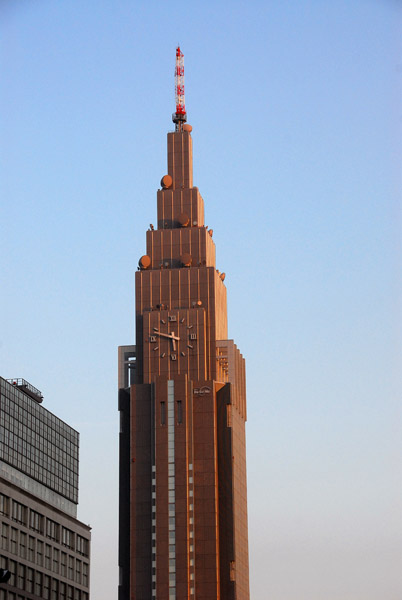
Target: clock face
(174,336)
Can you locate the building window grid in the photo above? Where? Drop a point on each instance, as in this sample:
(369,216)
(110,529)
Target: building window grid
(44,586)
(18,451)
(38,443)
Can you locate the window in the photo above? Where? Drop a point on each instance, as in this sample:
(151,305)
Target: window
(55,560)
(63,590)
(23,544)
(14,538)
(78,571)
(67,538)
(82,545)
(39,553)
(4,536)
(36,521)
(163,413)
(30,580)
(19,512)
(55,589)
(46,587)
(31,549)
(21,577)
(63,563)
(48,556)
(3,563)
(179,412)
(4,504)
(70,567)
(85,574)
(228,415)
(12,567)
(52,530)
(38,584)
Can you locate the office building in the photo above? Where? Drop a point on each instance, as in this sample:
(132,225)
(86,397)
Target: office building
(43,545)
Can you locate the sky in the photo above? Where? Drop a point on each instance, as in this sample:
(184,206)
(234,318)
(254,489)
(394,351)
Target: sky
(297,123)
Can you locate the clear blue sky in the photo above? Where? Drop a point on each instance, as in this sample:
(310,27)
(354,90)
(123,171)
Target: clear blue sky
(296,115)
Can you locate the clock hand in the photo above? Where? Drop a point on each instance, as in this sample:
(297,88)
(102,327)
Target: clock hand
(172,336)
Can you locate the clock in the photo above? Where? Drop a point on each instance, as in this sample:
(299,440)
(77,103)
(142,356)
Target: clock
(174,336)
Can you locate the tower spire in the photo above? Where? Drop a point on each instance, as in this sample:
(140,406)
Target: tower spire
(180,116)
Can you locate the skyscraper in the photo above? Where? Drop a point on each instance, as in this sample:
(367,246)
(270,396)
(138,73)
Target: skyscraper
(43,545)
(182,401)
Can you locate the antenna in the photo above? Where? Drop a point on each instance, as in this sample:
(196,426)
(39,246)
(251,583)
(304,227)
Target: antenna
(180,116)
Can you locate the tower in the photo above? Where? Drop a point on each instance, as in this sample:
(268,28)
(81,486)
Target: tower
(182,403)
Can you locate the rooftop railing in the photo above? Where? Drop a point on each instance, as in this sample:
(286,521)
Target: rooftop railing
(28,388)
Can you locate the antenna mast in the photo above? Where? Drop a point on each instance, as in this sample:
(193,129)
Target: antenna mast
(180,116)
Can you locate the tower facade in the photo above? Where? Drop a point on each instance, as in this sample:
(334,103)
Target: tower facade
(182,402)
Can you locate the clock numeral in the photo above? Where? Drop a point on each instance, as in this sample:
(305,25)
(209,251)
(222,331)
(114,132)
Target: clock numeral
(173,356)
(190,346)
(189,326)
(163,354)
(183,353)
(156,348)
(155,329)
(182,320)
(193,336)
(172,318)
(152,338)
(163,321)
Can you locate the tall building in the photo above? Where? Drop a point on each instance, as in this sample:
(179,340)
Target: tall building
(182,401)
(43,545)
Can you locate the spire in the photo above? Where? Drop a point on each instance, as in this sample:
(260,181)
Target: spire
(180,116)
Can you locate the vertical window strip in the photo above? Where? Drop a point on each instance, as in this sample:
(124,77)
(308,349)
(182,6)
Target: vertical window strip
(172,491)
(191,527)
(153,530)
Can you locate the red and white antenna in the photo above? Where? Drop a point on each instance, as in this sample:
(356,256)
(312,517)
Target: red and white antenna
(180,116)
